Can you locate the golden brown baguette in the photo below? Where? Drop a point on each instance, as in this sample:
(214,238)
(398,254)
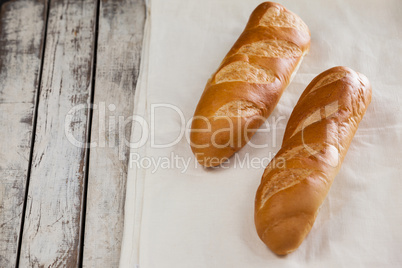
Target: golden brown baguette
(317,137)
(245,89)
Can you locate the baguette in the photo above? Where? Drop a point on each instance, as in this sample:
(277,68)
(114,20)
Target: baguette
(245,89)
(317,137)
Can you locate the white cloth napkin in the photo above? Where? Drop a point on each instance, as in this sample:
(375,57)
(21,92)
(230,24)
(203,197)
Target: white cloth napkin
(177,216)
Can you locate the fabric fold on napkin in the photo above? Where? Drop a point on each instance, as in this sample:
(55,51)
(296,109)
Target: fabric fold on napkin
(178,214)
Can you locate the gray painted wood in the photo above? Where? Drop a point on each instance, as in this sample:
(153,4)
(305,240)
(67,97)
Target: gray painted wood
(22,25)
(51,234)
(121,25)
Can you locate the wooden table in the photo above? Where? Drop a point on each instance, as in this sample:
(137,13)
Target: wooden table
(68,71)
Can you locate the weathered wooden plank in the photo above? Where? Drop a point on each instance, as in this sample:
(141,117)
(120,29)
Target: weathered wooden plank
(51,234)
(22,25)
(121,26)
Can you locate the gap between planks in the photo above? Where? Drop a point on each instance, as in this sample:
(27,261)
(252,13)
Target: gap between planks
(21,42)
(121,29)
(53,217)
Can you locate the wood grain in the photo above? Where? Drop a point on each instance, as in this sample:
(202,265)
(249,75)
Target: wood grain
(51,234)
(121,26)
(22,26)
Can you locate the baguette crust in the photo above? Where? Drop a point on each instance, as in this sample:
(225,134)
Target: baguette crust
(245,89)
(317,137)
